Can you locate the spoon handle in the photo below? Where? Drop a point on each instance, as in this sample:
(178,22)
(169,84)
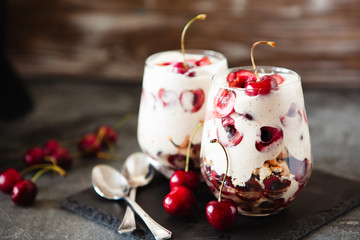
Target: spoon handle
(128,223)
(157,230)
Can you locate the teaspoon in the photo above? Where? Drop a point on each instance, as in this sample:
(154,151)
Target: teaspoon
(112,185)
(138,172)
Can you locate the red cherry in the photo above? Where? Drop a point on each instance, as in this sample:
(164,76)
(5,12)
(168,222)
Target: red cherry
(8,179)
(279,79)
(50,146)
(270,137)
(62,157)
(109,134)
(203,62)
(24,193)
(224,103)
(34,156)
(189,179)
(229,136)
(240,78)
(180,68)
(89,144)
(180,202)
(221,215)
(192,100)
(263,87)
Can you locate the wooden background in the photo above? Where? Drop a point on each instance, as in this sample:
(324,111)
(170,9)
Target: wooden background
(110,39)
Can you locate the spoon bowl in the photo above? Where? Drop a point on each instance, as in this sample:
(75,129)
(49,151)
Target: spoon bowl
(111,184)
(137,170)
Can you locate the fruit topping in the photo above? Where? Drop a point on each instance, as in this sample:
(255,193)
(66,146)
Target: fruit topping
(168,98)
(262,87)
(203,62)
(224,103)
(34,156)
(198,17)
(8,179)
(228,135)
(192,100)
(270,137)
(180,202)
(279,79)
(240,78)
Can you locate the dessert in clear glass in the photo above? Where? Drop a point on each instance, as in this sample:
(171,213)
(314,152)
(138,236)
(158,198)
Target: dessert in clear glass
(263,126)
(173,102)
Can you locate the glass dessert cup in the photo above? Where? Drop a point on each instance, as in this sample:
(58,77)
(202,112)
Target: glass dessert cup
(173,102)
(266,138)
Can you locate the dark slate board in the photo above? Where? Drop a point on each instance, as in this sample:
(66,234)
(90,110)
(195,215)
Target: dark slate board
(323,199)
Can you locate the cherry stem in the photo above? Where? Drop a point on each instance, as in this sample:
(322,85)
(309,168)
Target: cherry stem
(34,167)
(198,126)
(227,167)
(55,168)
(200,17)
(122,121)
(272,44)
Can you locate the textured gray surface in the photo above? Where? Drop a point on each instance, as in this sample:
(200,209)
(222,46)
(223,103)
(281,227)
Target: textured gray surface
(68,109)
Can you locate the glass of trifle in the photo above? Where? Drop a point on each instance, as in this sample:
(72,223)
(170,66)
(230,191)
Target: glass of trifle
(173,102)
(258,115)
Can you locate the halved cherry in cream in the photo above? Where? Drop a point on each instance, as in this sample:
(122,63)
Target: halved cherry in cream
(270,137)
(224,103)
(262,87)
(279,79)
(192,100)
(293,118)
(168,98)
(275,187)
(252,191)
(240,78)
(228,135)
(203,62)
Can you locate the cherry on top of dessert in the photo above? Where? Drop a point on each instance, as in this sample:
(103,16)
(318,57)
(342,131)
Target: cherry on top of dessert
(252,83)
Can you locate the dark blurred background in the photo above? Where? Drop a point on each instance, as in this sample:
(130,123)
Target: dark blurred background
(110,39)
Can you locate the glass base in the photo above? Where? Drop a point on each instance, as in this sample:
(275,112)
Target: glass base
(164,170)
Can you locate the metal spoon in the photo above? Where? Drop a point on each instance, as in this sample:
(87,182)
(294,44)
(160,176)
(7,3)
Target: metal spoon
(111,184)
(138,172)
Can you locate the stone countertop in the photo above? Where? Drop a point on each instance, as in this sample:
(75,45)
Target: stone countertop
(67,109)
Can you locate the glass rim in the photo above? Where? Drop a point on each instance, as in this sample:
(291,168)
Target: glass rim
(262,69)
(211,53)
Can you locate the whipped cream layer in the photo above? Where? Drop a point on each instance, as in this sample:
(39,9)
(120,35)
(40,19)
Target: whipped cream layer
(283,109)
(167,109)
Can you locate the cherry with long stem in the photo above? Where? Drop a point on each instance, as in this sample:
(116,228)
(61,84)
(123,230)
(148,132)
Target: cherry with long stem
(198,17)
(270,43)
(187,178)
(222,213)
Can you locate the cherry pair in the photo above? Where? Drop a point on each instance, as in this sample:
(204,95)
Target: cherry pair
(51,151)
(23,192)
(92,143)
(251,82)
